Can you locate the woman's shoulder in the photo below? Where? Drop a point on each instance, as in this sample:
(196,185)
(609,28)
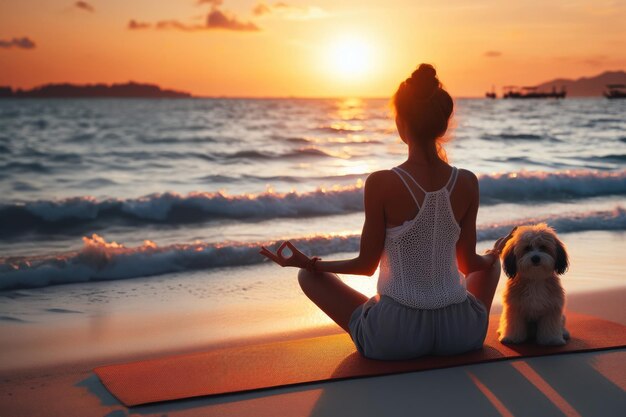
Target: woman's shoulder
(380,175)
(381,178)
(379,181)
(467,175)
(467,180)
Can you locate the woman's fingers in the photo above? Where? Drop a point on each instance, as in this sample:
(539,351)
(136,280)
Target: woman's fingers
(294,250)
(268,254)
(282,247)
(501,242)
(296,258)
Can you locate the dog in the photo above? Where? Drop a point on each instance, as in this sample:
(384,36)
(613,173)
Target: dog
(533,300)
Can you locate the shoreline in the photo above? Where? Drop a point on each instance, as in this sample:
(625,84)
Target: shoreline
(225,307)
(51,360)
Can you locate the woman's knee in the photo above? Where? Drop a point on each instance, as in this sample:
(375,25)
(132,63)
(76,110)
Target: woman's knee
(305,279)
(311,282)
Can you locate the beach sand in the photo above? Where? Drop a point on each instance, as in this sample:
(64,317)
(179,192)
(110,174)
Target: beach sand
(46,365)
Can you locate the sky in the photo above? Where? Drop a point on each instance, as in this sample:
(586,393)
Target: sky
(308,48)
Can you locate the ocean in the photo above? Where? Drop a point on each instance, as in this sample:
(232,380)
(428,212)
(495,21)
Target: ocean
(153,191)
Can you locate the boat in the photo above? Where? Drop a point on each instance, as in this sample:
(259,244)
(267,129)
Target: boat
(491,94)
(532,92)
(615,91)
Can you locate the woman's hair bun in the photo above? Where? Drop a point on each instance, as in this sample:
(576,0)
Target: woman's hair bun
(424,80)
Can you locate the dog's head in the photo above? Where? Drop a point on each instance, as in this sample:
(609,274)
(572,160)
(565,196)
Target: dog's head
(534,251)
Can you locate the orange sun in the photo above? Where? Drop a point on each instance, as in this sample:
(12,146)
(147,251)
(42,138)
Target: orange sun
(350,57)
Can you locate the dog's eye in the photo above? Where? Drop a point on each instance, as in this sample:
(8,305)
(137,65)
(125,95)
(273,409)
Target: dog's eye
(528,248)
(543,248)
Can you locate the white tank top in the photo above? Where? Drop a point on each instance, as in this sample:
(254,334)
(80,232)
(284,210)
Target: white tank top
(418,266)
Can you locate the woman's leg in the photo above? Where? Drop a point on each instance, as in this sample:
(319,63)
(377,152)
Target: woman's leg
(482,284)
(335,298)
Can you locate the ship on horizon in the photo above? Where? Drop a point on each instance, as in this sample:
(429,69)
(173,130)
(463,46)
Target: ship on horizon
(512,91)
(615,91)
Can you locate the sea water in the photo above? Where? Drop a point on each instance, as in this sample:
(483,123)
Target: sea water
(161,192)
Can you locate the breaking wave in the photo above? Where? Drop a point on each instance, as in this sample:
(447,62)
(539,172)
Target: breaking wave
(101,260)
(173,208)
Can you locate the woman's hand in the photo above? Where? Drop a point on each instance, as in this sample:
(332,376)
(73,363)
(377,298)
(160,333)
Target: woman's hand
(500,243)
(297,258)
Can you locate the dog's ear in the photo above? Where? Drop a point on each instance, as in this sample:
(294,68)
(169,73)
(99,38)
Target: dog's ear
(510,261)
(561,263)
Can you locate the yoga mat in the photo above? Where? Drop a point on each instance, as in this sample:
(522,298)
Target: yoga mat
(334,357)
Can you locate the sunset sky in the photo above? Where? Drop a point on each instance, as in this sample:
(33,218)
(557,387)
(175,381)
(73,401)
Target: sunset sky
(307,48)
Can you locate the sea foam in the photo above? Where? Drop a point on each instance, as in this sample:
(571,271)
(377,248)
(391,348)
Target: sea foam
(174,208)
(101,260)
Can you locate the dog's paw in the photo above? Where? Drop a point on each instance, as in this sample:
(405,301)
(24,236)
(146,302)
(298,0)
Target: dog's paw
(551,341)
(566,335)
(508,340)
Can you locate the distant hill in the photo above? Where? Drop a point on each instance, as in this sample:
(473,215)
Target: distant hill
(128,90)
(586,86)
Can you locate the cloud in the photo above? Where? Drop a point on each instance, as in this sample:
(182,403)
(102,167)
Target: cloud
(215,20)
(163,25)
(288,11)
(136,25)
(83,5)
(261,9)
(594,60)
(213,3)
(20,43)
(218,20)
(177,25)
(493,54)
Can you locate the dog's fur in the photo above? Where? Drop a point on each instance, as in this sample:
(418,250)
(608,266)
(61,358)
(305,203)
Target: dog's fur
(533,299)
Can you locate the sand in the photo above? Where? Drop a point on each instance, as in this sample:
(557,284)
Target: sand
(46,368)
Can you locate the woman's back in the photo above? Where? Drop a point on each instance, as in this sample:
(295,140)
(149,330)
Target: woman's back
(418,265)
(399,204)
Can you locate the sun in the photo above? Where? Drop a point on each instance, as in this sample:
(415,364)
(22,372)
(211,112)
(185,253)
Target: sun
(350,57)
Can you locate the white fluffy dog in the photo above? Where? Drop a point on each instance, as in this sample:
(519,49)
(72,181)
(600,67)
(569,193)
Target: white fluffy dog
(533,299)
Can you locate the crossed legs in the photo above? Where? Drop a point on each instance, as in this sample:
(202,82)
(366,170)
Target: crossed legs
(329,293)
(338,300)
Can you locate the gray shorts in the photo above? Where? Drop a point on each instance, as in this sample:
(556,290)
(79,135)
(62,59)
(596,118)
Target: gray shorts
(382,328)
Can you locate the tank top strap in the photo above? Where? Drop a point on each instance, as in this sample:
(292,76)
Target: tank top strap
(452,180)
(406,184)
(412,179)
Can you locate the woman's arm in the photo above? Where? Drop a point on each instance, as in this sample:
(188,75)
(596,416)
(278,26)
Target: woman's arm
(467,258)
(372,238)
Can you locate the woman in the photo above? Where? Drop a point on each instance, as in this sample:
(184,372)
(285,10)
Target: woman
(420,223)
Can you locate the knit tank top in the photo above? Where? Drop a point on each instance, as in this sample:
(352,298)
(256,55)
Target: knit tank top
(418,266)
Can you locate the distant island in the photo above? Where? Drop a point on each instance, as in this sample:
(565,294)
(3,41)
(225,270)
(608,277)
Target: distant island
(585,86)
(128,90)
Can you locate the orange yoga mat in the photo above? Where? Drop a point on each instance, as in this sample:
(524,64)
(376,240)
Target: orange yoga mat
(315,359)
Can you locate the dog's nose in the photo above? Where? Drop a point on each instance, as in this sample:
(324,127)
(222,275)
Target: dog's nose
(535,259)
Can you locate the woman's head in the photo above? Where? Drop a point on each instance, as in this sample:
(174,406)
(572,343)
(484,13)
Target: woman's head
(423,109)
